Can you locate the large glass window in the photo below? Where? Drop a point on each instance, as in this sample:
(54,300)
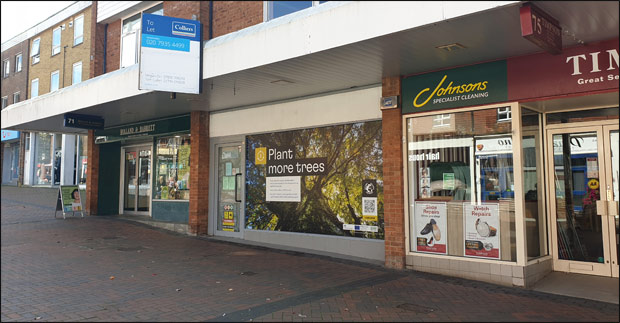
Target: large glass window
(533,184)
(35,53)
(34,89)
(461,185)
(82,159)
(56,41)
(77,73)
(78,30)
(130,37)
(18,63)
(55,81)
(43,158)
(172,168)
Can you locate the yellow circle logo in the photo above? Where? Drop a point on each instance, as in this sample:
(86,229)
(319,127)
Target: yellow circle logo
(260,156)
(593,183)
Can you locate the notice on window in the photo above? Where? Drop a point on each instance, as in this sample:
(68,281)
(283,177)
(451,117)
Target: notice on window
(448,181)
(592,167)
(430,220)
(283,189)
(481,230)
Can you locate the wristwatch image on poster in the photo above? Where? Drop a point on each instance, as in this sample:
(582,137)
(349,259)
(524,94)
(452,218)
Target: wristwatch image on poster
(482,235)
(430,227)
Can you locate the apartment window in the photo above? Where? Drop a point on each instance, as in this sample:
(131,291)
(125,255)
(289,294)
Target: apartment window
(18,63)
(5,101)
(15,97)
(56,41)
(34,88)
(78,30)
(130,37)
(77,73)
(6,68)
(55,81)
(277,9)
(442,120)
(504,114)
(35,54)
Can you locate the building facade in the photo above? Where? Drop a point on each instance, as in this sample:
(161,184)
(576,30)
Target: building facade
(438,140)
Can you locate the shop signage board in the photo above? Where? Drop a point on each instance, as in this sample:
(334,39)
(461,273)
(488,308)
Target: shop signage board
(69,200)
(540,28)
(83,121)
(9,135)
(431,227)
(465,86)
(148,128)
(170,54)
(482,234)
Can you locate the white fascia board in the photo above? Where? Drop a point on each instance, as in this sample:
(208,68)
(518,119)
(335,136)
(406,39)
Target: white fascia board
(326,26)
(109,87)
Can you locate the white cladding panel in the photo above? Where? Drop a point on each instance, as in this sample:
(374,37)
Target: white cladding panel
(338,108)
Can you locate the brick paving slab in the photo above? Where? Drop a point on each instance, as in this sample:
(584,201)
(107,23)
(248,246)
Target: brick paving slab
(108,269)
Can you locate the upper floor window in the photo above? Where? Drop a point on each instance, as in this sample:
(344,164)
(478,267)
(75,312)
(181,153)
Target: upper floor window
(77,73)
(55,81)
(56,41)
(5,101)
(6,68)
(78,30)
(15,97)
(442,120)
(504,114)
(36,48)
(130,35)
(277,9)
(18,63)
(34,88)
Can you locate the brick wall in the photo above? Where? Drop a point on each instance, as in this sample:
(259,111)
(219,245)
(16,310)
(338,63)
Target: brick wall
(92,169)
(113,49)
(393,180)
(16,82)
(48,63)
(199,174)
(231,16)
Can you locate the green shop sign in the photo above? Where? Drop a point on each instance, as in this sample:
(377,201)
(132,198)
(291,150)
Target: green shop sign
(142,129)
(465,86)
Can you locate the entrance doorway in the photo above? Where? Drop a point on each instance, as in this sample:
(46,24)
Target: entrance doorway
(136,180)
(583,194)
(229,168)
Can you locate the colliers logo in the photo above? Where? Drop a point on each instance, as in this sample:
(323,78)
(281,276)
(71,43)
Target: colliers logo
(183,29)
(439,92)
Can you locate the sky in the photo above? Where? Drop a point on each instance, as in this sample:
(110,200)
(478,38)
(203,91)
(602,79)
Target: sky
(19,16)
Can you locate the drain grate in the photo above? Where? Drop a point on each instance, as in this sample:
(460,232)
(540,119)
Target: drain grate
(415,308)
(247,273)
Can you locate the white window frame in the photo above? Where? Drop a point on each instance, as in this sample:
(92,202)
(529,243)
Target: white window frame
(16,94)
(5,101)
(6,68)
(504,114)
(268,10)
(32,87)
(57,72)
(73,73)
(56,48)
(18,62)
(36,55)
(136,40)
(442,120)
(78,38)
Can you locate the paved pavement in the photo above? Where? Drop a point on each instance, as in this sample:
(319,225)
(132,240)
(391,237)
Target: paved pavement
(107,269)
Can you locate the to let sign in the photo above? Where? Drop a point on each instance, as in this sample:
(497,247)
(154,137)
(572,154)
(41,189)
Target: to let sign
(541,29)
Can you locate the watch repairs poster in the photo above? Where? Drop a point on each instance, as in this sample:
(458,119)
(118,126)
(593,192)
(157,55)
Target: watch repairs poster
(431,227)
(482,235)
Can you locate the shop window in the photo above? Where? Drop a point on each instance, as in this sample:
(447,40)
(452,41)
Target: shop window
(56,41)
(130,37)
(78,30)
(34,88)
(82,159)
(461,185)
(172,168)
(35,53)
(18,63)
(43,158)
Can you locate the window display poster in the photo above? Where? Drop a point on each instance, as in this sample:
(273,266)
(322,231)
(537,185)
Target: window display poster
(430,220)
(482,238)
(313,180)
(228,217)
(592,167)
(71,201)
(425,183)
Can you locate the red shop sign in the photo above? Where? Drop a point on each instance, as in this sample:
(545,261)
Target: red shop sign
(587,68)
(540,28)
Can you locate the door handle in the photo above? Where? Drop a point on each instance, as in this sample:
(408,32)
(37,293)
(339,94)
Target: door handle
(236,189)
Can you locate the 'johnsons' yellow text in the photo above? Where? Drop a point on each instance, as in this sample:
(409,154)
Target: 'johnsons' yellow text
(439,91)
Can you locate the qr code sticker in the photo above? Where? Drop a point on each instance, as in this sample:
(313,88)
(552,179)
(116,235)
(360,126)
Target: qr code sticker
(369,206)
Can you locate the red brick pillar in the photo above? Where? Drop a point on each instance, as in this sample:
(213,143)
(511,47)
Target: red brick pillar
(199,174)
(92,174)
(393,198)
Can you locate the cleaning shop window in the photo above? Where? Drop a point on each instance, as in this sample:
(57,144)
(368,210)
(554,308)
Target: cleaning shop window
(172,172)
(461,185)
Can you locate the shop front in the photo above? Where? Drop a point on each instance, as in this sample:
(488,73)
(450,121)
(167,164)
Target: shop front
(144,169)
(512,166)
(10,157)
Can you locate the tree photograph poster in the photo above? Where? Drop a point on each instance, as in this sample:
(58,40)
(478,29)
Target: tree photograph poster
(316,180)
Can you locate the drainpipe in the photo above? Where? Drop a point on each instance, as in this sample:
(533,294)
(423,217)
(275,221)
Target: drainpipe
(210,19)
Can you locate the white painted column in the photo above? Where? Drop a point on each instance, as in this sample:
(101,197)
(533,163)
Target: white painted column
(28,158)
(67,164)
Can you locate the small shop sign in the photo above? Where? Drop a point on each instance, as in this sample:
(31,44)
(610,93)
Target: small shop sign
(540,28)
